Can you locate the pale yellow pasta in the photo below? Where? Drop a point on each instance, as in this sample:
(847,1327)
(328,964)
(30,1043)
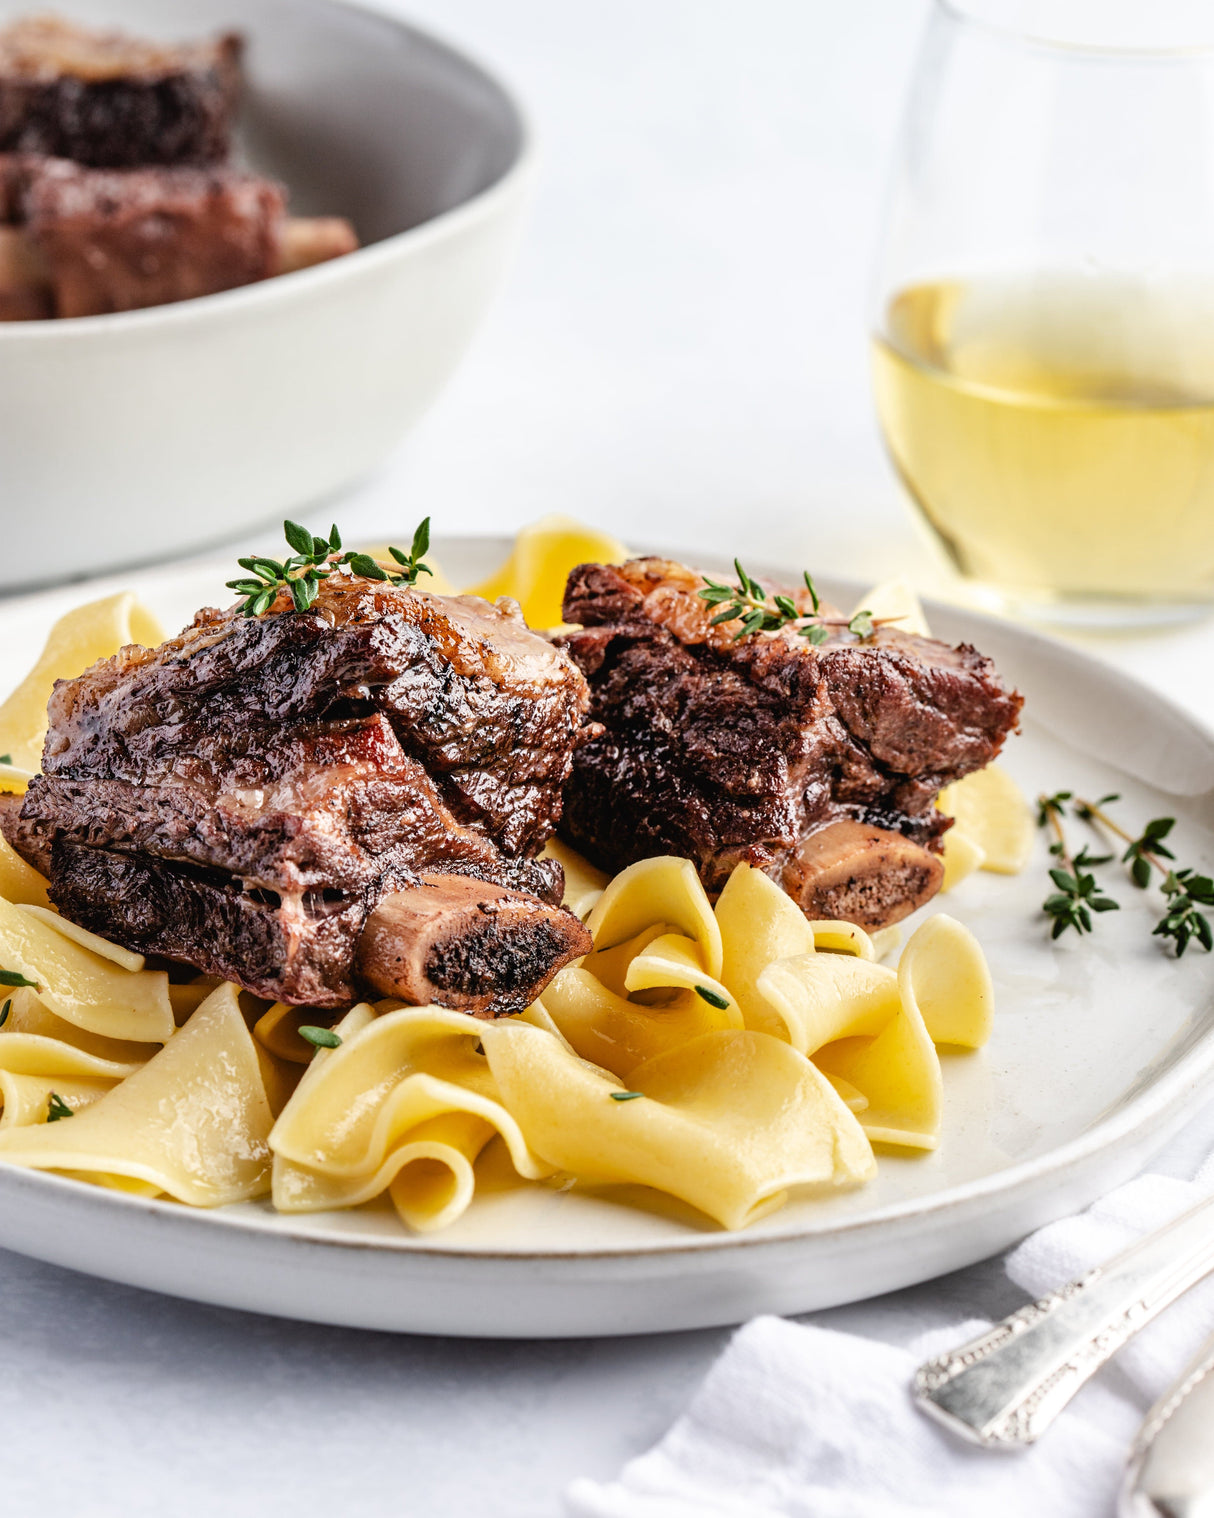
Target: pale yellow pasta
(77,640)
(843,938)
(618,1034)
(727,1122)
(943,971)
(989,808)
(277,1031)
(544,553)
(193,1122)
(14,781)
(850,1016)
(895,601)
(962,856)
(583,883)
(32,1066)
(853,1099)
(758,924)
(125,959)
(898,1073)
(673,961)
(27,1098)
(885,941)
(611,965)
(354,1126)
(822,997)
(28,1014)
(187,998)
(20,882)
(665,890)
(82,988)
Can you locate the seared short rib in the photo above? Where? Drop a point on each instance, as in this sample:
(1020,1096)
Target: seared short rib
(86,242)
(323,803)
(819,765)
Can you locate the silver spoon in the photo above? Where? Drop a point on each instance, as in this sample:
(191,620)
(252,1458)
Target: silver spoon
(1171,1469)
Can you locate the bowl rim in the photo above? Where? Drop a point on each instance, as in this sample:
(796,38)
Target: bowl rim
(510,182)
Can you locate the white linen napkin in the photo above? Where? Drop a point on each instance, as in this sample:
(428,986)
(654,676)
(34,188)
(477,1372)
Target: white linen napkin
(805,1422)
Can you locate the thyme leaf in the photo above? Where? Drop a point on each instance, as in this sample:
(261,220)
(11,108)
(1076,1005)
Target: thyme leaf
(314,560)
(57,1108)
(320,1038)
(750,605)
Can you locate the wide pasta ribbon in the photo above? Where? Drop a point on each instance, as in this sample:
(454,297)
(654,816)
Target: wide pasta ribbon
(405,1104)
(727,1122)
(81,986)
(193,1121)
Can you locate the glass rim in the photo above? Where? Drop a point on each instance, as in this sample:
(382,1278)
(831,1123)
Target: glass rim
(958,11)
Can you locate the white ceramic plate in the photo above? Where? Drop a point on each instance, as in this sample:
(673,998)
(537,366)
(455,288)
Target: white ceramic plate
(1101,1049)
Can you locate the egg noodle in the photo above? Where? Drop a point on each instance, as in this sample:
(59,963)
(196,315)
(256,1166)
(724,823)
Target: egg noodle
(722,1055)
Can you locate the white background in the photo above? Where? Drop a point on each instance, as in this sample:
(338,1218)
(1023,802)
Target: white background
(679,355)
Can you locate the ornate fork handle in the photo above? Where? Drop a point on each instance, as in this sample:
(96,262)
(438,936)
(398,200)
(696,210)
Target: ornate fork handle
(1005,1388)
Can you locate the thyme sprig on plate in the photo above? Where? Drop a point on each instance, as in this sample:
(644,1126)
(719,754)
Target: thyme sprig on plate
(757,611)
(314,560)
(1185,892)
(1078,893)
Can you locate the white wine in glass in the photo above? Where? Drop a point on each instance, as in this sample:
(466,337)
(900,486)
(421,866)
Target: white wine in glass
(1044,341)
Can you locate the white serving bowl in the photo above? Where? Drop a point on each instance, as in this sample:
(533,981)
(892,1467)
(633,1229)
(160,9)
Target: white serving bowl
(133,436)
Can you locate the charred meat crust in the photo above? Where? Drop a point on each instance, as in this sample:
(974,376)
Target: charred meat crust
(242,797)
(730,752)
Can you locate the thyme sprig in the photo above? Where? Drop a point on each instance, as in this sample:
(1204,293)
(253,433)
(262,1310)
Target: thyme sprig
(1078,893)
(1185,892)
(15,978)
(314,560)
(749,603)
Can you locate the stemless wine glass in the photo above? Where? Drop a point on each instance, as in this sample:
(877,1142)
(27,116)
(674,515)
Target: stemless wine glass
(1044,339)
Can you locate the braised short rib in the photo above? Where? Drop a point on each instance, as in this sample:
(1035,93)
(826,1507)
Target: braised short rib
(819,765)
(323,803)
(110,100)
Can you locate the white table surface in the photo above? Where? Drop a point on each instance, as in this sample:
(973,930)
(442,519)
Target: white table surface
(679,354)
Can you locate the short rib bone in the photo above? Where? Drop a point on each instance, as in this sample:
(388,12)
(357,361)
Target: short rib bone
(468,945)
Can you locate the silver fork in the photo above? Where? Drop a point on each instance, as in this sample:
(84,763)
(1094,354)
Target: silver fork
(1006,1387)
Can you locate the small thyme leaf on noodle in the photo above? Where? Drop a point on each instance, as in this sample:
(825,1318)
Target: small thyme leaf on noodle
(626,1096)
(6,758)
(712,998)
(320,1038)
(15,978)
(57,1108)
(8,1007)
